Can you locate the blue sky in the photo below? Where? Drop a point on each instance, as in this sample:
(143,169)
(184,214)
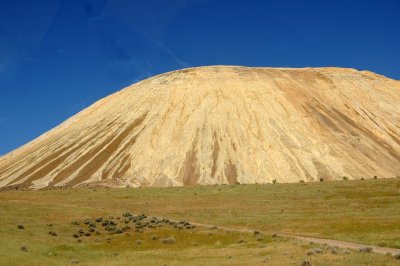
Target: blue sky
(59,56)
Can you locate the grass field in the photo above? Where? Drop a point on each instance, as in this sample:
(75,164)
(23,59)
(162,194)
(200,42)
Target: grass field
(359,211)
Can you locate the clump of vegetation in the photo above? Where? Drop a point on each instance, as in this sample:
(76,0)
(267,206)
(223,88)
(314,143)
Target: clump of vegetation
(24,249)
(52,233)
(168,240)
(345,178)
(127,214)
(74,261)
(321,180)
(375,177)
(126,228)
(365,250)
(20,226)
(314,251)
(273,181)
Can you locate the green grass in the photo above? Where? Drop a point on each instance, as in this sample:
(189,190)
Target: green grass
(359,211)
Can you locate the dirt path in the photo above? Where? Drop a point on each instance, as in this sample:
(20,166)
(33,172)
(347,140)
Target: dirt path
(344,244)
(329,242)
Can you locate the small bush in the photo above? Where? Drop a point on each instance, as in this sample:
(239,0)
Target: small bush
(105,223)
(375,177)
(126,228)
(321,180)
(345,178)
(273,181)
(111,228)
(20,226)
(169,240)
(365,250)
(314,251)
(127,214)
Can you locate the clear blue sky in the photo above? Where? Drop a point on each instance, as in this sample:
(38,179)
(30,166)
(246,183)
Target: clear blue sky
(59,56)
